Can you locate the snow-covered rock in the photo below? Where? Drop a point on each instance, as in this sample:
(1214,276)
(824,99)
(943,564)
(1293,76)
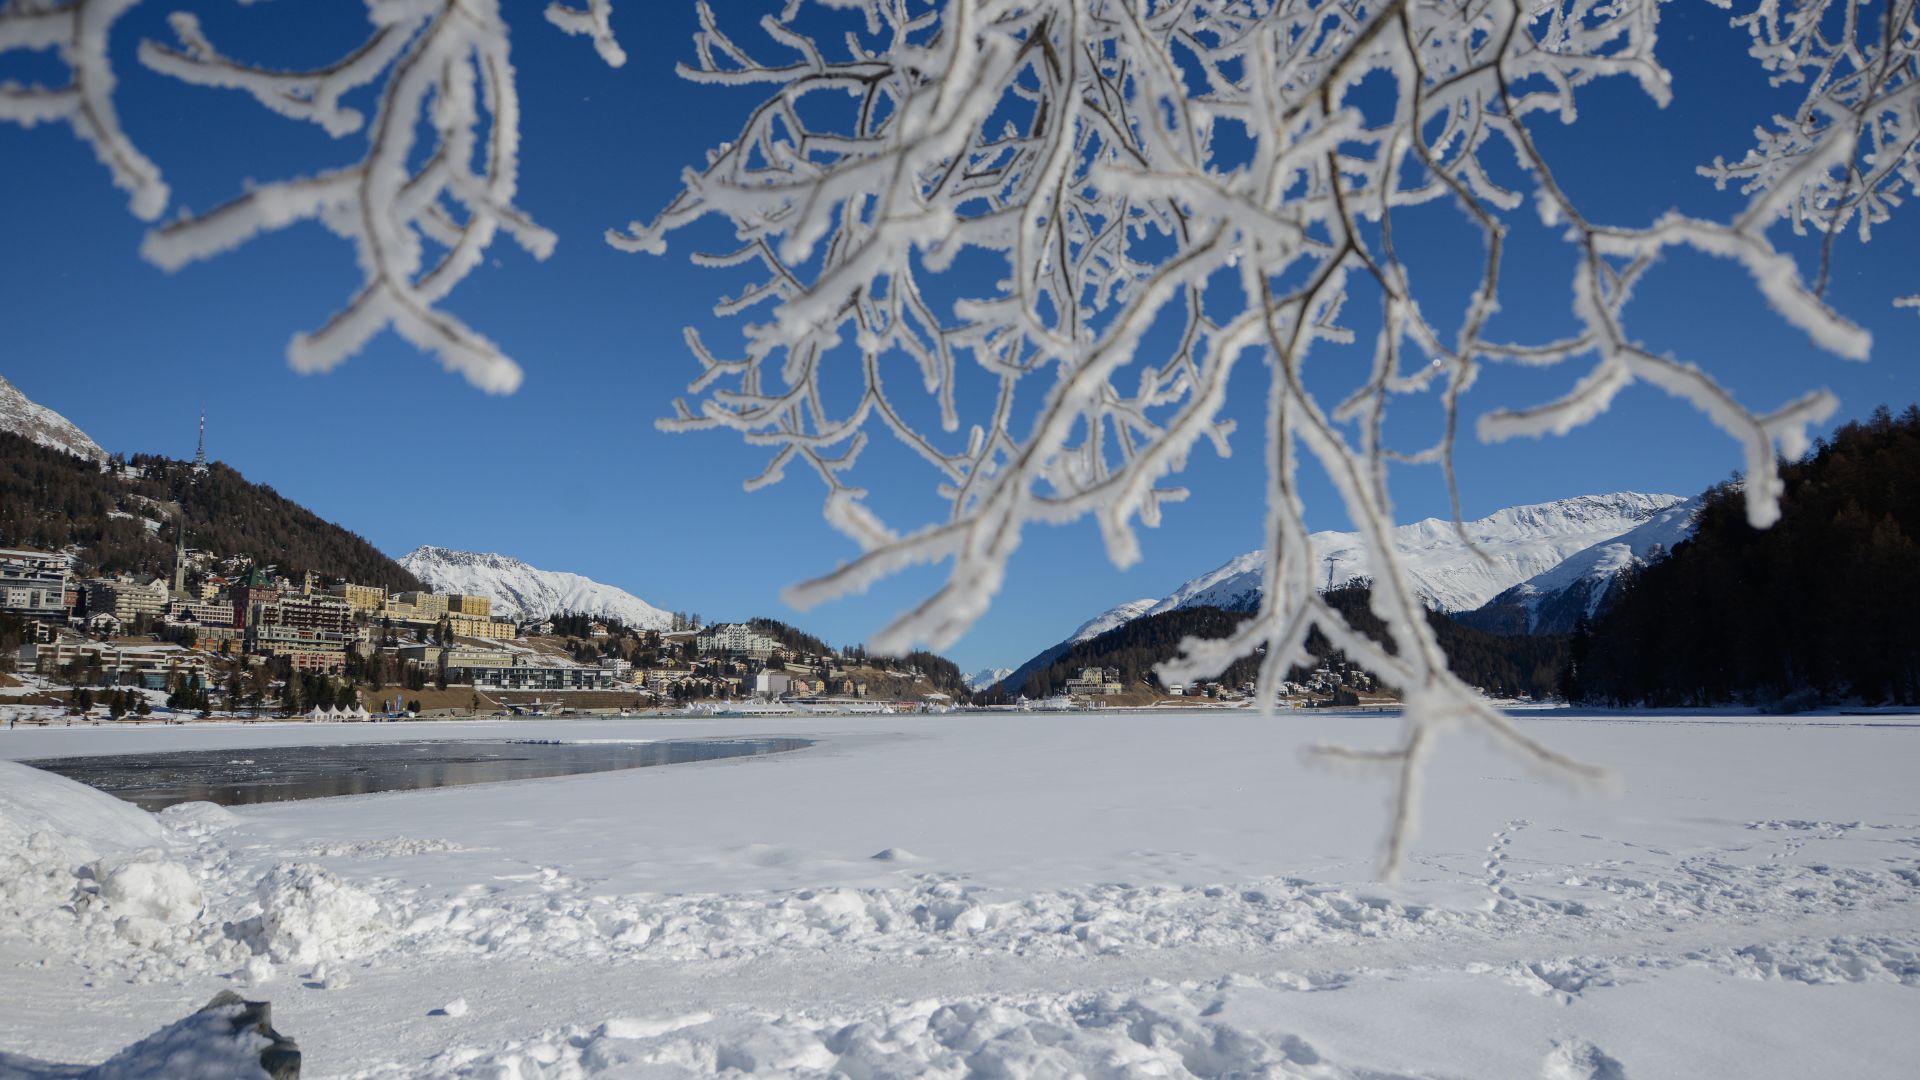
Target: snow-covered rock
(228,1038)
(1551,602)
(22,416)
(519,591)
(1520,542)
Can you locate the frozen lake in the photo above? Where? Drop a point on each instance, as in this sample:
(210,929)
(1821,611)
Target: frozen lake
(285,773)
(1132,894)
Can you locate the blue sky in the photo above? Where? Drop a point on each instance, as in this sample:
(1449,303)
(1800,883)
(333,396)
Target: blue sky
(570,473)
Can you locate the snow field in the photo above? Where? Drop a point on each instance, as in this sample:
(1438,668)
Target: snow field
(1121,895)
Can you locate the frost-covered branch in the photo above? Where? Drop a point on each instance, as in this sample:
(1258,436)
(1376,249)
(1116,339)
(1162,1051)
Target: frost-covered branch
(1166,189)
(1852,145)
(78,30)
(420,221)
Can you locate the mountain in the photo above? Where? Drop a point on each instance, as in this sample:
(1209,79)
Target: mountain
(1520,542)
(1114,616)
(1552,602)
(21,416)
(124,520)
(1501,665)
(1119,615)
(520,591)
(981,680)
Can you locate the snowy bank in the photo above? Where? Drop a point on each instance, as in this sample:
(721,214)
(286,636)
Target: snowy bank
(1123,895)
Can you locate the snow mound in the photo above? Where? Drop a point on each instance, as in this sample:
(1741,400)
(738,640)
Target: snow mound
(104,882)
(51,829)
(80,821)
(519,591)
(1157,1030)
(1578,1059)
(150,897)
(199,818)
(309,916)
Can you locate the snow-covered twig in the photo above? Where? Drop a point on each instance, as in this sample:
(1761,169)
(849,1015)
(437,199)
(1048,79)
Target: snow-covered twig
(419,222)
(1212,179)
(78,29)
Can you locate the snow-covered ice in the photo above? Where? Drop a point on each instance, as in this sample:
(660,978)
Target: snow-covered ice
(1124,894)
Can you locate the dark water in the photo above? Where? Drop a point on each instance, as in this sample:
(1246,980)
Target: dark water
(281,773)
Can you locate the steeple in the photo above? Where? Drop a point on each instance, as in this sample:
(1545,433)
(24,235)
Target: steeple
(200,453)
(180,559)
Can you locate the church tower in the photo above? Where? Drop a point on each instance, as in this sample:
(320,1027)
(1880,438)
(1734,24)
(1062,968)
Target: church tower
(180,558)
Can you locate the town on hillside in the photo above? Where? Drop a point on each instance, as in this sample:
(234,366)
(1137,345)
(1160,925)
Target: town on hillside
(226,636)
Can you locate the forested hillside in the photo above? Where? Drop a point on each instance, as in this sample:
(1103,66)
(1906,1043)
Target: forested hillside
(1501,665)
(1822,607)
(51,500)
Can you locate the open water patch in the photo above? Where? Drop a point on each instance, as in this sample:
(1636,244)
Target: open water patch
(286,773)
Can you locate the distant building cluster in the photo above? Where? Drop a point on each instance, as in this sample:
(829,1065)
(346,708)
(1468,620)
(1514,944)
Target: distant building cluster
(223,615)
(228,605)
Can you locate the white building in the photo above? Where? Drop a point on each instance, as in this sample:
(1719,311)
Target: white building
(34,583)
(772,683)
(736,639)
(126,598)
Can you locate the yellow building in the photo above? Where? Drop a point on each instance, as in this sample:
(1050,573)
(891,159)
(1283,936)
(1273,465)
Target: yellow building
(480,626)
(470,605)
(367,598)
(399,612)
(424,605)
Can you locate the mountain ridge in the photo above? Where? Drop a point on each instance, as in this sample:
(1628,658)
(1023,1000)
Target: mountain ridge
(27,418)
(1554,601)
(522,591)
(1522,543)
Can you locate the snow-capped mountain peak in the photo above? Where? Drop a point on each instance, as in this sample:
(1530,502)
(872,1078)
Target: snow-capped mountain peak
(1553,601)
(520,591)
(981,680)
(1519,542)
(25,417)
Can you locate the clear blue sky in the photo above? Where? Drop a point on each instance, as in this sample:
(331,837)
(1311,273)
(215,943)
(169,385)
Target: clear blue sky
(570,474)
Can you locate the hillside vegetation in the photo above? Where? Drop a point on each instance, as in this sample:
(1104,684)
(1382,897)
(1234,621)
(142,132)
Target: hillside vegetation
(52,500)
(1822,607)
(1505,666)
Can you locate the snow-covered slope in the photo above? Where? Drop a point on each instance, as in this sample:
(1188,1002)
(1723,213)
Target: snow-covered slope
(980,680)
(524,592)
(22,416)
(1551,602)
(1119,615)
(1520,542)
